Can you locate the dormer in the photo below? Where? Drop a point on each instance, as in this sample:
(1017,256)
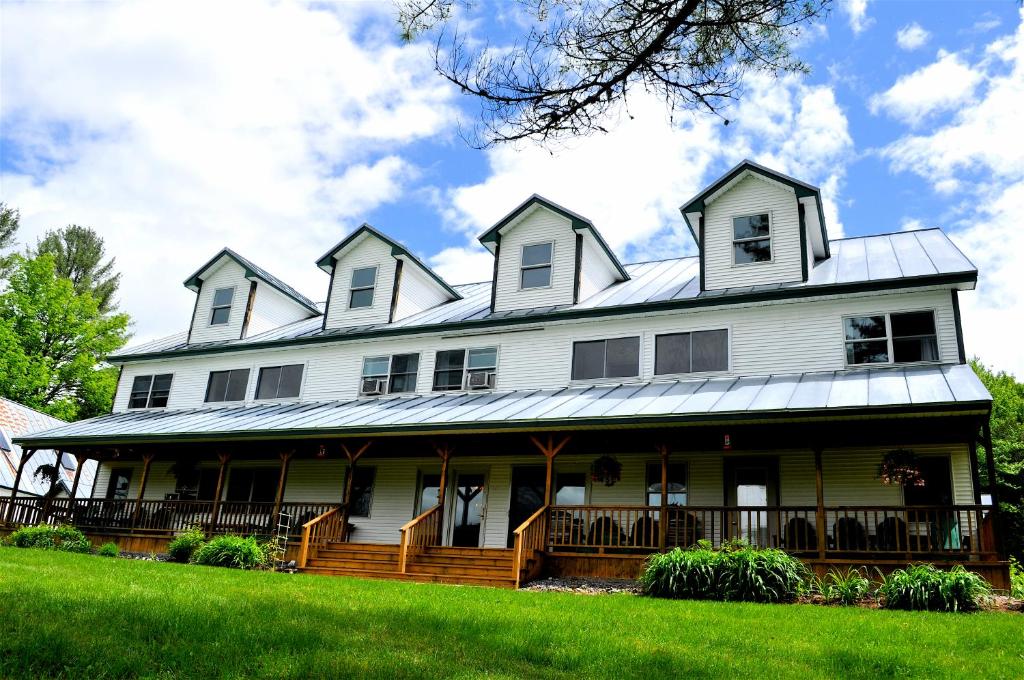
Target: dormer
(236,299)
(375,280)
(547,256)
(755,226)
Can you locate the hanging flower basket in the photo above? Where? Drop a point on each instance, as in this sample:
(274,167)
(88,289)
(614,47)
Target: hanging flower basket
(606,470)
(899,467)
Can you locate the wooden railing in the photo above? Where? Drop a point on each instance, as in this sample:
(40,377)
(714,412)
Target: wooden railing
(530,540)
(896,531)
(318,531)
(418,533)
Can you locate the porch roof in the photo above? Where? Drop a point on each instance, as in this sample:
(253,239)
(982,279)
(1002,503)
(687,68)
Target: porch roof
(916,390)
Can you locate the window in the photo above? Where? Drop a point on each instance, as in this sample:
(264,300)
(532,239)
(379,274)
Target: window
(398,371)
(279,382)
(676,484)
(253,485)
(150,391)
(691,352)
(570,488)
(452,367)
(227,385)
(535,270)
(430,485)
(198,485)
(891,338)
(361,292)
(221,312)
(615,358)
(751,239)
(362,491)
(120,479)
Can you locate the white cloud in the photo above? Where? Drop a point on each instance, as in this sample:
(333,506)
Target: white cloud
(178,129)
(857,14)
(943,85)
(912,36)
(911,224)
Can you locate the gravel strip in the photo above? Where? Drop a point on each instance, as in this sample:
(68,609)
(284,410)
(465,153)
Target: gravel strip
(586,586)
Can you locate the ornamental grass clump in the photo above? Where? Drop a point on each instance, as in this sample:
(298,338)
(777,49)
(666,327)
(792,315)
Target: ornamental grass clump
(181,548)
(108,550)
(48,537)
(846,587)
(232,551)
(923,587)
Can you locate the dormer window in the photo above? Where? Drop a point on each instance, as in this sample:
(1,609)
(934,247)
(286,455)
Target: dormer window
(751,239)
(535,269)
(361,292)
(221,312)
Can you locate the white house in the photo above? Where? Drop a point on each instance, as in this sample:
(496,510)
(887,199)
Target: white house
(573,413)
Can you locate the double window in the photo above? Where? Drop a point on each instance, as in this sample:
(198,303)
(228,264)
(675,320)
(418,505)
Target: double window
(535,268)
(150,391)
(279,382)
(253,485)
(751,239)
(360,292)
(362,491)
(676,491)
(456,369)
(398,372)
(903,337)
(612,358)
(221,311)
(227,385)
(694,352)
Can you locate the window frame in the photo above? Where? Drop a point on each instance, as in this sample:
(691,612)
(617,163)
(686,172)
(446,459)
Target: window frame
(259,379)
(271,475)
(550,265)
(214,306)
(373,490)
(572,470)
(770,238)
(655,462)
(352,288)
(690,332)
(149,391)
(630,378)
(463,385)
(245,391)
(890,347)
(388,376)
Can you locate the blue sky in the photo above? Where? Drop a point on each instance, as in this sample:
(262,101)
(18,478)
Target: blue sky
(176,129)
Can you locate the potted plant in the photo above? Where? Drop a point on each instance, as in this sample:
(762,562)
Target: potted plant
(899,467)
(606,470)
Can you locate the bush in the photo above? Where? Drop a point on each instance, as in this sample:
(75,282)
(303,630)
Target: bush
(922,586)
(1016,579)
(737,572)
(846,587)
(108,550)
(184,545)
(232,551)
(48,537)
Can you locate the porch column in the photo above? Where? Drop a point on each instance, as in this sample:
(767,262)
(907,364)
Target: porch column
(26,454)
(993,487)
(146,460)
(80,460)
(445,452)
(224,459)
(282,479)
(819,515)
(663,512)
(346,506)
(550,450)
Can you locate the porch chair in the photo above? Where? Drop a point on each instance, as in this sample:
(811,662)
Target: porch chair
(684,530)
(605,532)
(800,535)
(891,535)
(645,533)
(850,534)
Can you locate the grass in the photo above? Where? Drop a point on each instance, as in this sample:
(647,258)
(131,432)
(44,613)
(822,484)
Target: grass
(80,616)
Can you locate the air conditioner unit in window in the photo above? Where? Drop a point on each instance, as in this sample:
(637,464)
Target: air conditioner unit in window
(372,386)
(480,380)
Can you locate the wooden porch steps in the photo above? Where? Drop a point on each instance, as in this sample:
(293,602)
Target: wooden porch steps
(473,566)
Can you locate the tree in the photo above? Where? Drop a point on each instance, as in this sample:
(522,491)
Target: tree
(1007,425)
(78,254)
(582,58)
(9,223)
(53,340)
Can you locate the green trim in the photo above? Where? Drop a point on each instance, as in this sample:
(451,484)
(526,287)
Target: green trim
(587,313)
(327,304)
(326,261)
(394,289)
(616,422)
(578,264)
(700,248)
(494,272)
(803,240)
(961,351)
(192,321)
(194,282)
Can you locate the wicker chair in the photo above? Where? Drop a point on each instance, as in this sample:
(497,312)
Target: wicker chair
(800,535)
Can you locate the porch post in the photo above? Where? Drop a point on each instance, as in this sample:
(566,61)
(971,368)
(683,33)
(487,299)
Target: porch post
(81,460)
(26,454)
(346,506)
(550,450)
(445,452)
(993,488)
(819,515)
(663,513)
(146,460)
(282,479)
(224,459)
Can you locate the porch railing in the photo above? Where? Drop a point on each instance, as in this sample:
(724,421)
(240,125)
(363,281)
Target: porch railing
(418,533)
(317,532)
(899,532)
(530,538)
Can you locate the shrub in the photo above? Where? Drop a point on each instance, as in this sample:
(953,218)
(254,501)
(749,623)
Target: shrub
(48,537)
(184,545)
(736,572)
(922,586)
(232,551)
(108,550)
(1016,579)
(846,587)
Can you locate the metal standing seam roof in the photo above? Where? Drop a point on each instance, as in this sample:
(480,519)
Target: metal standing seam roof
(255,270)
(879,258)
(17,421)
(930,388)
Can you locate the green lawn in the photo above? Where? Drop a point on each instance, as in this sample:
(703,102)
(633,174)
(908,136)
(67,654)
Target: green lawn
(80,616)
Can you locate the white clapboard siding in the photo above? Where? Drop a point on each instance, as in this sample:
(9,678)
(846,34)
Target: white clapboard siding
(368,252)
(539,226)
(596,273)
(796,337)
(417,292)
(272,310)
(751,196)
(228,275)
